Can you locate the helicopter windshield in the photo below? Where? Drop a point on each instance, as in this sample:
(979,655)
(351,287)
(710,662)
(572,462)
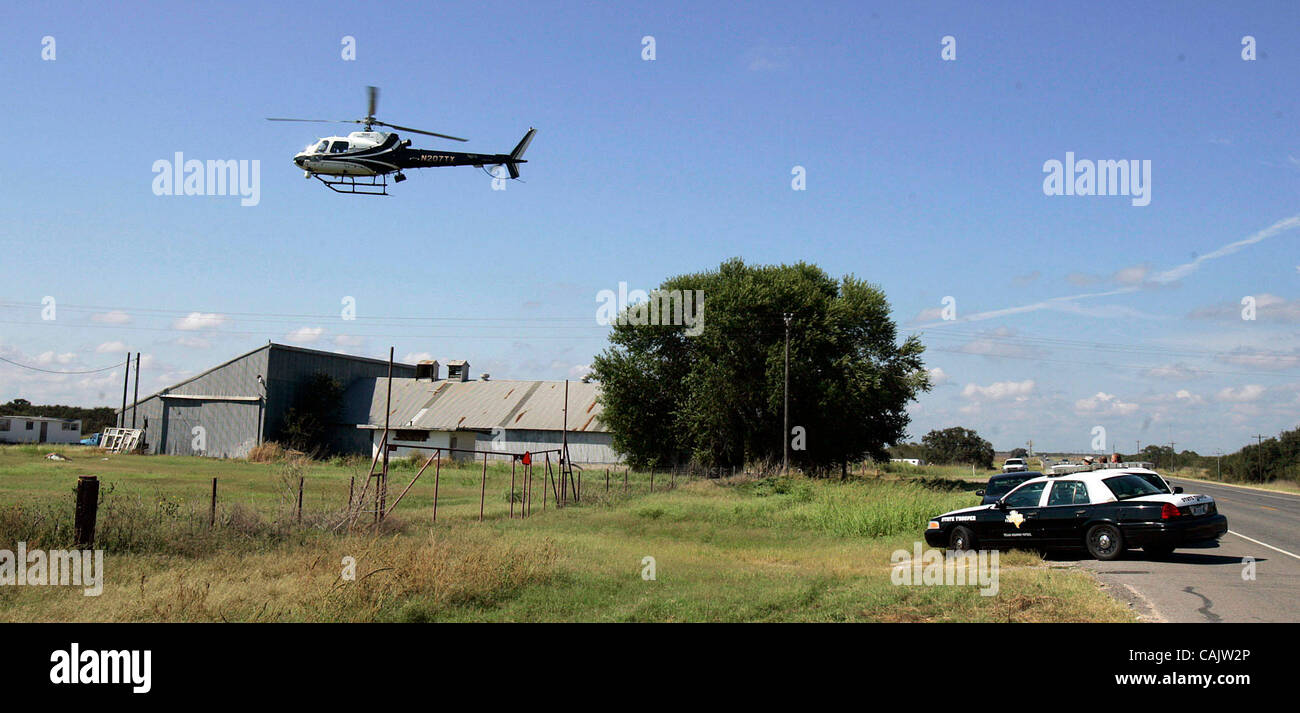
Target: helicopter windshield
(321,147)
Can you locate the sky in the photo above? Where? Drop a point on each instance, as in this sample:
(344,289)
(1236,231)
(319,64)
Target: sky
(922,174)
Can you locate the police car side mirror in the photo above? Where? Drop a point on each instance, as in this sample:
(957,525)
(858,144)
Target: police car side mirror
(979,493)
(1178,489)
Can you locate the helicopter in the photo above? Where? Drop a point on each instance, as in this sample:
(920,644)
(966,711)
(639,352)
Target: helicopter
(359,163)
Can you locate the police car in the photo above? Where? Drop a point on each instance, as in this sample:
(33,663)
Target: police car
(1105,510)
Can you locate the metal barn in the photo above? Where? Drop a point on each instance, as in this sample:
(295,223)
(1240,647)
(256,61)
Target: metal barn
(227,410)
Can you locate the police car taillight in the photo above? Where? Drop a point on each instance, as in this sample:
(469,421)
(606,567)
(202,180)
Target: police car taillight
(1168,511)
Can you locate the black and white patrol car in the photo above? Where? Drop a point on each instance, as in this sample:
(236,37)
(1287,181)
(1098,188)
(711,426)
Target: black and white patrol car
(1104,511)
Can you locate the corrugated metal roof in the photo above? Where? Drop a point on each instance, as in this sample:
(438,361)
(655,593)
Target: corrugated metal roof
(459,405)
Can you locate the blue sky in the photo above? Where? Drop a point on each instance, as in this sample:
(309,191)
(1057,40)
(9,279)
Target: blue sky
(923,176)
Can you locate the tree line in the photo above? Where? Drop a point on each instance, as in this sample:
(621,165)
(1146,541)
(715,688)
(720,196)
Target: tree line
(93,420)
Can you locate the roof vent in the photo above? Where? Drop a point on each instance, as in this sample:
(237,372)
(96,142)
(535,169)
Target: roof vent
(484,376)
(458,370)
(427,369)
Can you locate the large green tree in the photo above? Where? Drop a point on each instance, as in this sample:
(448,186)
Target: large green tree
(712,393)
(957,445)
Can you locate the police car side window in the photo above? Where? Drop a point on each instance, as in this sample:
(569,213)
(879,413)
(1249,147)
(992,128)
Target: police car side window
(1025,497)
(1069,492)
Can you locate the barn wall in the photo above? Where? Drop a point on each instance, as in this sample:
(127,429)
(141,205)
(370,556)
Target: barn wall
(289,369)
(593,448)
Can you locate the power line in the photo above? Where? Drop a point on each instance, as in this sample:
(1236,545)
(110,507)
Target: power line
(52,371)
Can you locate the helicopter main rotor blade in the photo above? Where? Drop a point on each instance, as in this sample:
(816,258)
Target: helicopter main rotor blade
(320,121)
(374,99)
(418,131)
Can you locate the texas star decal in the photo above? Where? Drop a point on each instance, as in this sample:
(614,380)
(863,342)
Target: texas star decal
(1015,518)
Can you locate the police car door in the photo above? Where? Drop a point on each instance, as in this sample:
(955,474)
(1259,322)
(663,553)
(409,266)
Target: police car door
(1067,508)
(1016,520)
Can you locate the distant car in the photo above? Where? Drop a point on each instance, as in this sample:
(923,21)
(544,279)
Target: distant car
(1002,483)
(1103,511)
(1015,465)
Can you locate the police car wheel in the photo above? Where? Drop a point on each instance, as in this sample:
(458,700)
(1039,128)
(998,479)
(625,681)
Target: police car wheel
(961,538)
(1105,542)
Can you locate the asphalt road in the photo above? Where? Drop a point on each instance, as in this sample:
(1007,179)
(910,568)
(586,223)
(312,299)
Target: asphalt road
(1207,584)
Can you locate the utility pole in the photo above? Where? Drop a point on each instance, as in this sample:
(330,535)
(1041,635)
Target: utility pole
(135,404)
(785,431)
(1218,464)
(126,381)
(1173,456)
(1259,458)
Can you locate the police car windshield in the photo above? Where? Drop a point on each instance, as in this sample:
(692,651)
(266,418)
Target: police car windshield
(1130,486)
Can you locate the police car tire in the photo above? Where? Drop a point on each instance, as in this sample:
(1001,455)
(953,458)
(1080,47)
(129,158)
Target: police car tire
(961,538)
(1103,533)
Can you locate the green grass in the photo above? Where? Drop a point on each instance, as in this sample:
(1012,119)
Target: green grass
(775,549)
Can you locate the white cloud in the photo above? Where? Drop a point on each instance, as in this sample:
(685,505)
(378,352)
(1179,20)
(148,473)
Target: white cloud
(938,377)
(1260,359)
(348,340)
(1000,342)
(1000,390)
(929,314)
(1268,308)
(577,371)
(1249,392)
(305,334)
(47,358)
(1132,275)
(1103,403)
(193,342)
(1173,372)
(116,316)
(413,357)
(110,348)
(199,320)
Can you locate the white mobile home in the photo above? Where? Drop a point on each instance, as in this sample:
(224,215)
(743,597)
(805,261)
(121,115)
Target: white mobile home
(39,429)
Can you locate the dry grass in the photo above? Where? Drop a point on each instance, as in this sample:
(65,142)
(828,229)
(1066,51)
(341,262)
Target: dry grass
(394,579)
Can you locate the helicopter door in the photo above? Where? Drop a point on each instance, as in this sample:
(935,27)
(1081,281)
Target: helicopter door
(339,147)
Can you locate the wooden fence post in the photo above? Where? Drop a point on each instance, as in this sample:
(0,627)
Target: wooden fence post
(212,511)
(482,495)
(83,524)
(300,479)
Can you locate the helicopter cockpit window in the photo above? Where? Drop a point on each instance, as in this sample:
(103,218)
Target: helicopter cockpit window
(339,147)
(322,147)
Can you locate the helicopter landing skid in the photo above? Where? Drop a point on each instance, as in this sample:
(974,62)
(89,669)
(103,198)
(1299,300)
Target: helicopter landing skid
(375,186)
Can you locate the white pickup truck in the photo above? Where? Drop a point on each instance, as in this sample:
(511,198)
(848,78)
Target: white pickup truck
(1015,465)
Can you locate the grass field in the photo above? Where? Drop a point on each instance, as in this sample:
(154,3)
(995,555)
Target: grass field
(742,549)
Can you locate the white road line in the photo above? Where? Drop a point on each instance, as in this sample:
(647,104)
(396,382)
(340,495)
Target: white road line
(1285,497)
(1264,544)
